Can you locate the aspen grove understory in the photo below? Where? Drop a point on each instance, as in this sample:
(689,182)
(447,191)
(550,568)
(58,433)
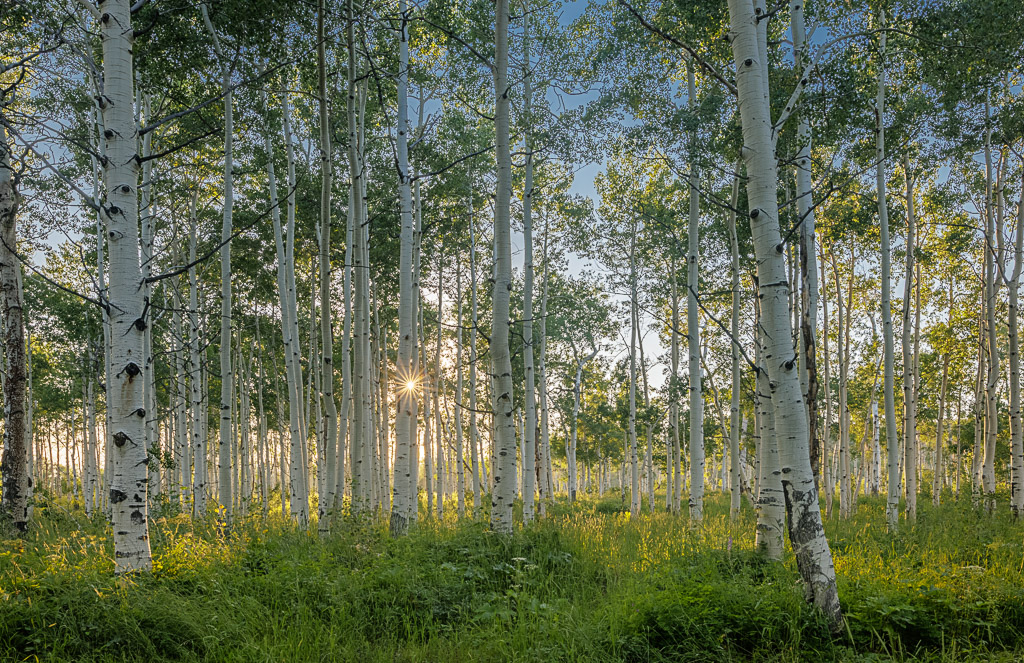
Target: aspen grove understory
(344,330)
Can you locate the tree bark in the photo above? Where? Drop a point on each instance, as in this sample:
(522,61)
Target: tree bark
(892,504)
(406,416)
(125,386)
(693,325)
(807,536)
(504,426)
(14,461)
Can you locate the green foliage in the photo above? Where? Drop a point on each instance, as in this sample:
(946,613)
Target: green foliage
(587,584)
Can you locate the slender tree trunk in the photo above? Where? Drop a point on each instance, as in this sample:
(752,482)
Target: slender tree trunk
(634,502)
(1016,425)
(405,422)
(474,434)
(807,536)
(460,454)
(505,468)
(673,460)
(808,250)
(888,386)
(530,398)
(224,486)
(14,461)
(693,327)
(329,443)
(909,393)
(439,463)
(734,407)
(992,383)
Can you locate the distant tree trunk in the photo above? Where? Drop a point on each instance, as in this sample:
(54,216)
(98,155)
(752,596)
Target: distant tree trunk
(547,482)
(474,434)
(909,393)
(405,422)
(329,442)
(439,464)
(807,536)
(634,502)
(693,326)
(892,505)
(992,383)
(199,488)
(418,362)
(734,407)
(224,486)
(673,460)
(808,251)
(146,222)
(939,431)
(14,462)
(504,427)
(530,397)
(460,455)
(1016,425)
(842,333)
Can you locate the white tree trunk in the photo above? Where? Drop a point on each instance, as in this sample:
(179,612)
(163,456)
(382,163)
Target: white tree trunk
(693,329)
(329,441)
(992,383)
(504,426)
(405,421)
(634,323)
(1016,425)
(199,489)
(14,461)
(530,389)
(224,484)
(474,433)
(734,407)
(907,342)
(807,536)
(892,506)
(125,386)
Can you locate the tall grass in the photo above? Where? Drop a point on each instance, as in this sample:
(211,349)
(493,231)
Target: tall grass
(586,584)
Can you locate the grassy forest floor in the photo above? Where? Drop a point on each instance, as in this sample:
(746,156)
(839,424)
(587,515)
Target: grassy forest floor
(585,584)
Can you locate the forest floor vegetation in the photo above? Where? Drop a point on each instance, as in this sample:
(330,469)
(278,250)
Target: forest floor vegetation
(587,583)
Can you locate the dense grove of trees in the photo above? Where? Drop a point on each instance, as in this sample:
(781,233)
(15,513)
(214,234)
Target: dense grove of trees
(345,257)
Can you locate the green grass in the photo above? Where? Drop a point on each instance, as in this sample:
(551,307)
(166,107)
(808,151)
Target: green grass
(586,584)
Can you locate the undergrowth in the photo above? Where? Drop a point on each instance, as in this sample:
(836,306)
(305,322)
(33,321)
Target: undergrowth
(587,583)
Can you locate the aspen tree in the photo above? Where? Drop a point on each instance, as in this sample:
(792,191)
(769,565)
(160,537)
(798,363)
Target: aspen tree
(358,437)
(807,536)
(634,483)
(888,387)
(1016,424)
(199,489)
(474,434)
(224,486)
(14,503)
(405,421)
(988,474)
(808,251)
(693,324)
(329,441)
(120,209)
(907,342)
(530,391)
(502,405)
(460,471)
(734,406)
